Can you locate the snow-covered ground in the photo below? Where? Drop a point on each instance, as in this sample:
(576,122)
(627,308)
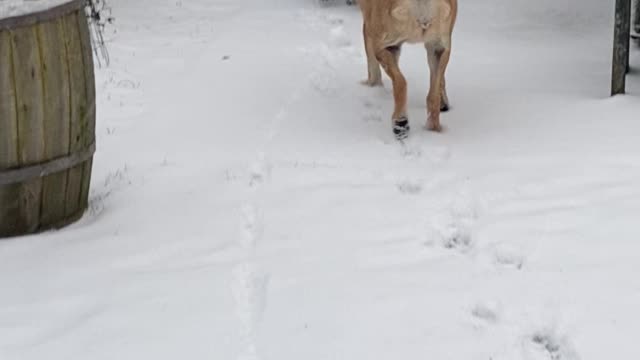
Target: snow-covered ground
(249,201)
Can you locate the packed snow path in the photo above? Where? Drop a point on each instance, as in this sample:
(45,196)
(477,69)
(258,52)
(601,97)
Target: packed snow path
(249,200)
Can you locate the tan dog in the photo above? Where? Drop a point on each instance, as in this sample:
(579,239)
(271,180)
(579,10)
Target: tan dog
(390,23)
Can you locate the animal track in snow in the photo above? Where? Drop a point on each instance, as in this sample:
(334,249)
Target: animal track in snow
(409,187)
(252,227)
(488,312)
(249,291)
(373,112)
(507,254)
(411,151)
(328,59)
(319,18)
(452,227)
(435,154)
(329,55)
(439,154)
(453,232)
(509,259)
(548,345)
(338,38)
(249,288)
(324,82)
(249,353)
(259,171)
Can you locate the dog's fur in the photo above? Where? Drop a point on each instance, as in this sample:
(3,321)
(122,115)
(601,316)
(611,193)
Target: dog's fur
(390,23)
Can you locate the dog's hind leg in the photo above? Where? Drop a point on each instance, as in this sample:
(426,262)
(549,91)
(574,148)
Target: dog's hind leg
(373,66)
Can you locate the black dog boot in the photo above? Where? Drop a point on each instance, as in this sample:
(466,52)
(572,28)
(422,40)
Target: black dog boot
(401,128)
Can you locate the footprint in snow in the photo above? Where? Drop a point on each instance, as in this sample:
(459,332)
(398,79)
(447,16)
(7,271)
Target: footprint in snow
(324,82)
(488,312)
(409,187)
(451,233)
(338,38)
(259,171)
(452,227)
(546,344)
(506,254)
(439,154)
(249,289)
(252,227)
(435,154)
(372,112)
(411,151)
(509,259)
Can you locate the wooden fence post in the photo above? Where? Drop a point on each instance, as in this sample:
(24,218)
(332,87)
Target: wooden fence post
(621,44)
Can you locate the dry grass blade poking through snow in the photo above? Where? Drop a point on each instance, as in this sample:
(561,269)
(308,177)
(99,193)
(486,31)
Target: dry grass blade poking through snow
(98,15)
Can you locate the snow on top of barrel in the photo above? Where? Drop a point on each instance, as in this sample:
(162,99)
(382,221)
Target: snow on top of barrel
(11,8)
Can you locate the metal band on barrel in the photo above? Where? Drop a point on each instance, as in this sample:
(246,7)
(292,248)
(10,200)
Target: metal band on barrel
(23,174)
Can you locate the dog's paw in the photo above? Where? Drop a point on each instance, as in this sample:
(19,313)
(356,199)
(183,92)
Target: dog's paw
(434,126)
(401,128)
(371,82)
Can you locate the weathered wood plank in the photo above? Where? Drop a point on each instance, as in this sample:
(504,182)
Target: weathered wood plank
(57,109)
(9,194)
(636,17)
(79,111)
(8,121)
(627,44)
(28,84)
(621,47)
(89,76)
(86,181)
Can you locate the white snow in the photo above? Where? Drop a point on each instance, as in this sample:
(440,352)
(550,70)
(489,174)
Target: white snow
(11,8)
(249,200)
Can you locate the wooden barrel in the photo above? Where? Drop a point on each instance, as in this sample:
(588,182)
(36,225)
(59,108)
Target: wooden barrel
(47,119)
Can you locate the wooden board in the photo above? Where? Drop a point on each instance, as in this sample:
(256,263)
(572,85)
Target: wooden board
(58,114)
(89,81)
(9,194)
(79,113)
